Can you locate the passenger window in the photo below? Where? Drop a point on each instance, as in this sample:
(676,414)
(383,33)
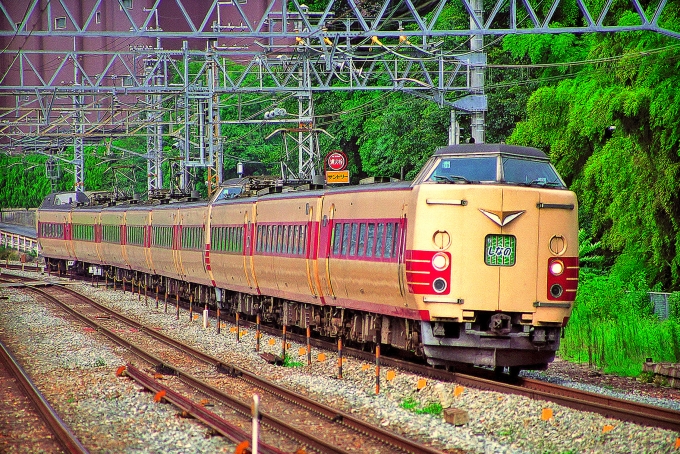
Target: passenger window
(284,242)
(370,240)
(389,240)
(353,240)
(295,232)
(379,240)
(303,239)
(345,238)
(270,238)
(396,240)
(337,237)
(362,240)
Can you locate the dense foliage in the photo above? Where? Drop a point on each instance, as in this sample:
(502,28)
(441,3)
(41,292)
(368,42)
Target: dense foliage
(606,107)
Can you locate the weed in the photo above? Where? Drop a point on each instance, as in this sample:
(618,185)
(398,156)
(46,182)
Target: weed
(646,377)
(432,408)
(99,362)
(288,362)
(506,432)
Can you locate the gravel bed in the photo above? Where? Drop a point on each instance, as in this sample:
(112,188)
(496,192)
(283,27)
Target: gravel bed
(498,423)
(635,395)
(76,373)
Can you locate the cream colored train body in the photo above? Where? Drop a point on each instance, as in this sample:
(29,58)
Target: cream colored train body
(475,261)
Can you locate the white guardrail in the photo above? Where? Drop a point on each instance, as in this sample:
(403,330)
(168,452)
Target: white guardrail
(19,242)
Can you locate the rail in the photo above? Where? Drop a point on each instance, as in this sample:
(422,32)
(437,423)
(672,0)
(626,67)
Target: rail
(62,432)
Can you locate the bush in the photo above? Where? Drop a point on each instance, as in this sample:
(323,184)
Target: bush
(8,254)
(613,326)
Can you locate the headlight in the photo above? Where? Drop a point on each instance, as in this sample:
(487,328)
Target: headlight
(556,267)
(440,261)
(556,290)
(439,285)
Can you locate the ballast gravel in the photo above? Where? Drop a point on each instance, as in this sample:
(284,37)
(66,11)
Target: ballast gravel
(108,407)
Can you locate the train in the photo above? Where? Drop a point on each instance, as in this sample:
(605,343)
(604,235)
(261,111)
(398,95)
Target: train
(474,262)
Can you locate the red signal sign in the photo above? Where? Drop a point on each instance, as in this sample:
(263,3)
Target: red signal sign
(336,160)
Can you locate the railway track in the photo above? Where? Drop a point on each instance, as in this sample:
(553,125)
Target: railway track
(621,409)
(61,434)
(345,426)
(625,410)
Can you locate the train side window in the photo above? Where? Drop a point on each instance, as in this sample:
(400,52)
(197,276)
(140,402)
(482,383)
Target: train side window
(239,231)
(379,240)
(303,239)
(295,243)
(291,239)
(268,239)
(286,239)
(389,240)
(282,239)
(370,240)
(353,240)
(345,238)
(337,237)
(362,240)
(396,240)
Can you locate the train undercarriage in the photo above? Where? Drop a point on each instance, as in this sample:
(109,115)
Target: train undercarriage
(497,341)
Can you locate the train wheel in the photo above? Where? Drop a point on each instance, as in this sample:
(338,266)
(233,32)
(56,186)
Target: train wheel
(514,371)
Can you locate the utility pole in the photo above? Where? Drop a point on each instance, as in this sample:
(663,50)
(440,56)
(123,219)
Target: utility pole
(155,76)
(78,127)
(477,122)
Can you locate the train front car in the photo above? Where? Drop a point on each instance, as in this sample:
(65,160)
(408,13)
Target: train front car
(492,256)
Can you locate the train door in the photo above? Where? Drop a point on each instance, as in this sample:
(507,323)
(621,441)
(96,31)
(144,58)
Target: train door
(207,246)
(123,240)
(98,237)
(68,235)
(311,252)
(324,254)
(147,243)
(248,261)
(517,283)
(401,248)
(177,243)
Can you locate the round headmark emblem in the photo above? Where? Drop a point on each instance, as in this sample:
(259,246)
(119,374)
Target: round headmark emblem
(336,160)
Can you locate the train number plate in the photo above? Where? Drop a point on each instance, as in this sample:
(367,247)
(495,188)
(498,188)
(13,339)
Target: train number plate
(500,250)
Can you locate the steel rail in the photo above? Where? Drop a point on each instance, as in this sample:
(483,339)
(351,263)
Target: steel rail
(209,418)
(188,379)
(63,434)
(331,414)
(623,409)
(613,407)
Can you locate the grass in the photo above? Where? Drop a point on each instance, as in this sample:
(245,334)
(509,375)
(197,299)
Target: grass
(288,362)
(432,408)
(613,327)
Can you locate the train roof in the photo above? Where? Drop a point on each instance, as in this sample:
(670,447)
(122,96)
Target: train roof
(490,148)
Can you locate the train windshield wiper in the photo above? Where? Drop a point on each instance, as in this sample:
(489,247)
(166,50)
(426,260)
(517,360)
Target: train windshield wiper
(543,182)
(452,179)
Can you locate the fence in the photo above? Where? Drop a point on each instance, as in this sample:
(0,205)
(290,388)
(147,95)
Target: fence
(19,242)
(661,304)
(18,216)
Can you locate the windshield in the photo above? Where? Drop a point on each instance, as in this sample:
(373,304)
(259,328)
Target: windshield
(524,171)
(485,169)
(466,169)
(229,193)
